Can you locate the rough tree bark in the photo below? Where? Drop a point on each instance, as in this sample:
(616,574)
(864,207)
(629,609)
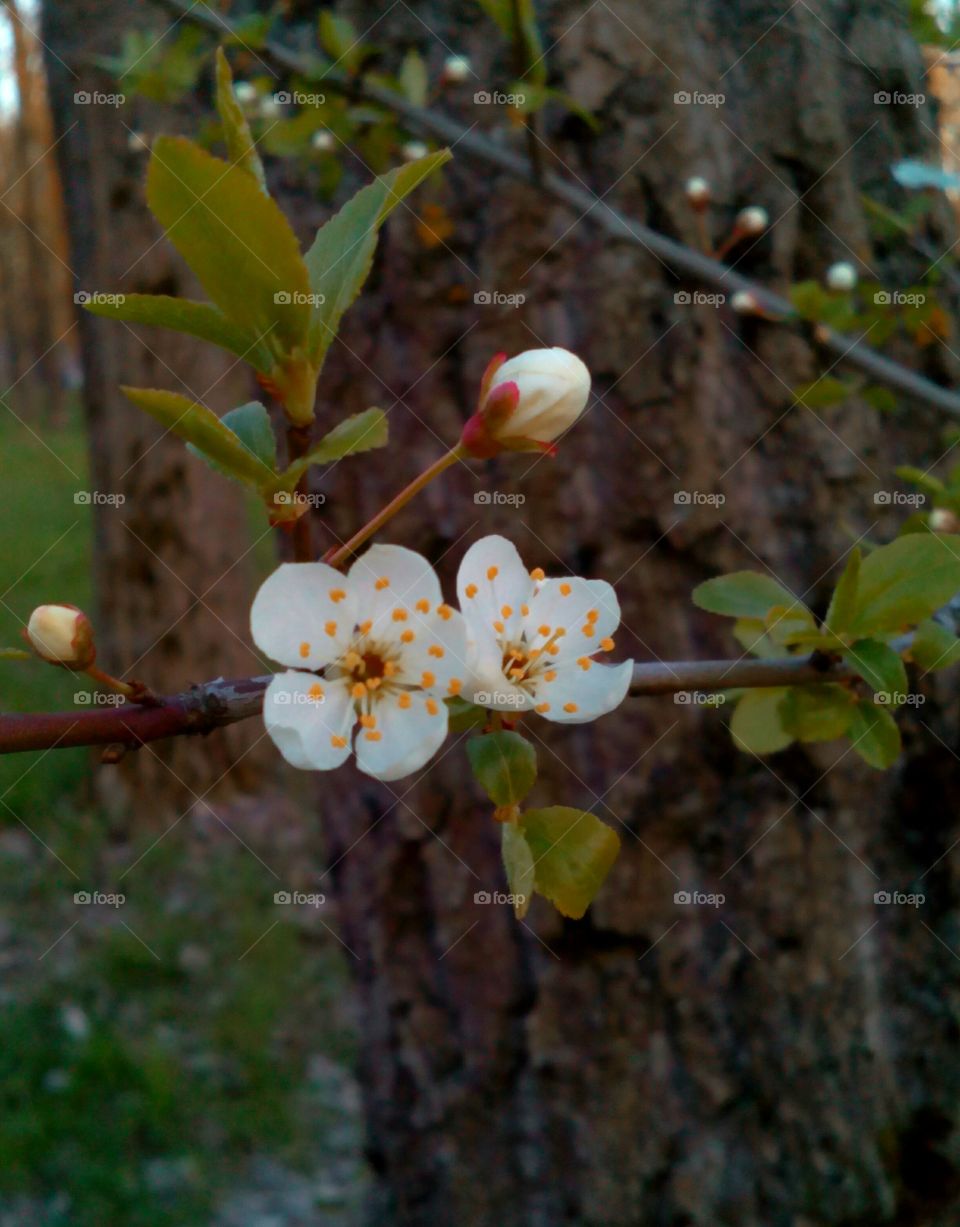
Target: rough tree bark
(172,563)
(789,1058)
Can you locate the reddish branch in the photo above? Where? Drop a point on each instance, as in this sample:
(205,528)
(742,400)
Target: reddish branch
(214,704)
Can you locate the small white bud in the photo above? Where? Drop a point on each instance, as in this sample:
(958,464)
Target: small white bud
(137,142)
(269,107)
(697,190)
(745,302)
(322,140)
(413,150)
(246,92)
(841,276)
(456,68)
(753,220)
(943,520)
(61,635)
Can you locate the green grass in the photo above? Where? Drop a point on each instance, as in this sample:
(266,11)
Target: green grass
(184,1068)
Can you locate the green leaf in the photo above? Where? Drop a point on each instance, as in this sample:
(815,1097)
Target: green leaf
(874,735)
(743,594)
(790,624)
(201,427)
(361,432)
(904,582)
(342,252)
(518,863)
(756,725)
(810,299)
(517,20)
(251,424)
(817,713)
(822,392)
(413,79)
(880,667)
(234,238)
(843,603)
(572,852)
(881,399)
(934,647)
(751,634)
(197,319)
(924,481)
(338,37)
(464,716)
(504,764)
(236,130)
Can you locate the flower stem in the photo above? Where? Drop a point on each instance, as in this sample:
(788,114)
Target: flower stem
(298,441)
(336,556)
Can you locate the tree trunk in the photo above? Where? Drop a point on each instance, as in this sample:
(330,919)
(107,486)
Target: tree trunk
(171,561)
(788,1058)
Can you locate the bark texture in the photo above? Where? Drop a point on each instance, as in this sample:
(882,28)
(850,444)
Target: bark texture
(789,1058)
(172,566)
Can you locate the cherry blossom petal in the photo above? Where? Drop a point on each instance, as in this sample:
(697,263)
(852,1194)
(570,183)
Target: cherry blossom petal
(586,609)
(309,720)
(487,685)
(303,615)
(494,587)
(388,582)
(435,657)
(410,728)
(577,694)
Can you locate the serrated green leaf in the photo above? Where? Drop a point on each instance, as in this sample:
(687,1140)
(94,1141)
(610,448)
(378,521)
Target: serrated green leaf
(518,864)
(880,667)
(904,582)
(934,647)
(251,424)
(235,239)
(236,130)
(342,252)
(504,765)
(200,426)
(817,713)
(874,735)
(756,725)
(823,392)
(572,852)
(361,432)
(197,319)
(743,594)
(843,603)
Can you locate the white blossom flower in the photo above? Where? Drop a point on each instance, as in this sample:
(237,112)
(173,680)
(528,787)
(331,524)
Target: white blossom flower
(697,190)
(752,220)
(456,68)
(370,657)
(62,635)
(841,276)
(414,150)
(526,402)
(533,641)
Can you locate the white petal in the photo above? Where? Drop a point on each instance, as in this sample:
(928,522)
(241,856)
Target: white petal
(390,578)
(297,622)
(590,692)
(483,599)
(488,685)
(438,649)
(304,727)
(568,603)
(404,738)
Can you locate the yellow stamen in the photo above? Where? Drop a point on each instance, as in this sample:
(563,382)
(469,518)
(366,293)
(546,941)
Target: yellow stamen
(372,736)
(399,615)
(364,627)
(584,662)
(565,589)
(432,707)
(304,650)
(373,683)
(550,675)
(506,611)
(570,707)
(315,691)
(542,707)
(543,630)
(538,573)
(498,627)
(368,722)
(435,650)
(454,685)
(330,628)
(403,701)
(445,612)
(358,690)
(524,611)
(607,644)
(389,668)
(427,679)
(382,583)
(337,594)
(587,629)
(470,590)
(352,660)
(338,742)
(592,615)
(423,606)
(492,572)
(407,637)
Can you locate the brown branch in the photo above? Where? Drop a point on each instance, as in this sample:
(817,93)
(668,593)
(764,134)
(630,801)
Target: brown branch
(214,704)
(680,258)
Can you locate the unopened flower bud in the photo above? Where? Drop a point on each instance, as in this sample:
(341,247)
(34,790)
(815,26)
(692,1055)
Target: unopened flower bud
(527,402)
(456,69)
(698,191)
(137,142)
(246,92)
(752,220)
(943,520)
(841,276)
(268,107)
(745,302)
(322,140)
(413,150)
(62,635)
